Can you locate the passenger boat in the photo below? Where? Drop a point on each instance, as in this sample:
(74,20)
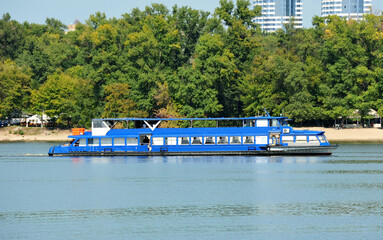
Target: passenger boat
(263,135)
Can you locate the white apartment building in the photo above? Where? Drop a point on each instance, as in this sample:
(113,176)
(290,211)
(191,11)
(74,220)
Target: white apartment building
(277,13)
(351,9)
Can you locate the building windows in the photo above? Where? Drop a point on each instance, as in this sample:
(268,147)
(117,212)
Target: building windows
(351,9)
(277,10)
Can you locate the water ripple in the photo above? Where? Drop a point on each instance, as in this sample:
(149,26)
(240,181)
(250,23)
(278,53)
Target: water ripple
(279,209)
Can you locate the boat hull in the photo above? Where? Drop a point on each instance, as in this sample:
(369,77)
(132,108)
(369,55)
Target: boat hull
(269,151)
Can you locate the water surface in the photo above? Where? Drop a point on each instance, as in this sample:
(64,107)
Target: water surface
(336,197)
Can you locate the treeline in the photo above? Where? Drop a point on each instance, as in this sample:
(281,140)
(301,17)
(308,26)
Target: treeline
(184,62)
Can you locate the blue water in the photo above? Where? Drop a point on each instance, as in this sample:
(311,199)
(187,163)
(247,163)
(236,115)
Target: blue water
(337,197)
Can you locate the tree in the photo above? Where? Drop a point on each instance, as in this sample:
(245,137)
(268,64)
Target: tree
(55,26)
(185,62)
(45,54)
(14,89)
(194,94)
(96,20)
(58,97)
(118,102)
(190,24)
(12,37)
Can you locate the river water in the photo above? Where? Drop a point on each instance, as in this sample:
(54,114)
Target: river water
(336,197)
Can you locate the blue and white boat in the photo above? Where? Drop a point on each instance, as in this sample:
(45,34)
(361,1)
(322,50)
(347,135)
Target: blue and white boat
(264,135)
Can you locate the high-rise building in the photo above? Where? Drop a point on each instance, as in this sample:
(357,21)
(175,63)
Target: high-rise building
(351,9)
(277,13)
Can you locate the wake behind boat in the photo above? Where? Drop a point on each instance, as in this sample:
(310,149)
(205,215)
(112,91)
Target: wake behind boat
(264,135)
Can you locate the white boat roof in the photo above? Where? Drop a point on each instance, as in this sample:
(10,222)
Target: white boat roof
(189,119)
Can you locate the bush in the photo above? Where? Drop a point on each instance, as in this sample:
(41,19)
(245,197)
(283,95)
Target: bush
(21,132)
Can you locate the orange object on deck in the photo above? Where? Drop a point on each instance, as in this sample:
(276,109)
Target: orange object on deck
(78,131)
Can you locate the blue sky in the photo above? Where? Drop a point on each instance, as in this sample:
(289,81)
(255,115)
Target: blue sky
(67,11)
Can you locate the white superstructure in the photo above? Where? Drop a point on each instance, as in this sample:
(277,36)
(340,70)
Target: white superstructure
(351,9)
(277,13)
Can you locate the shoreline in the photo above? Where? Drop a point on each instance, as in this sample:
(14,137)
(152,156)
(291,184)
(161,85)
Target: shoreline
(33,134)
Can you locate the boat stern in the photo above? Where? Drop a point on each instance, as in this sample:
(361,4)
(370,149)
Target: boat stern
(51,151)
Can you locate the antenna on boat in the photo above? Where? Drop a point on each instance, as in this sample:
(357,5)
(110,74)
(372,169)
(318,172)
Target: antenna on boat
(267,112)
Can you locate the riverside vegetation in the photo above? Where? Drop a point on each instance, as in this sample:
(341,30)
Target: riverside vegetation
(161,62)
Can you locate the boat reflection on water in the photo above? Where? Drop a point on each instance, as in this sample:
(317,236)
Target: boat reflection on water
(201,159)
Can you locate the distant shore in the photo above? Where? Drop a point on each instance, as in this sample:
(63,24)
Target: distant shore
(17,134)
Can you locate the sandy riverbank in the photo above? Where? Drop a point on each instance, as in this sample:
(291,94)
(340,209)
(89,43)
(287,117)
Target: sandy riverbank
(14,134)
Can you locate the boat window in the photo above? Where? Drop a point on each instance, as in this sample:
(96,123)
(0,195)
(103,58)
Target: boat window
(99,124)
(74,142)
(249,123)
(158,141)
(145,139)
(313,139)
(119,142)
(301,139)
(287,139)
(106,142)
(196,140)
(262,123)
(183,141)
(93,142)
(170,141)
(261,139)
(131,141)
(322,139)
(248,140)
(235,140)
(222,140)
(209,140)
(82,142)
(284,123)
(274,123)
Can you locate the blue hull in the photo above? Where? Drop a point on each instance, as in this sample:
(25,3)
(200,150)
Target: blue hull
(267,151)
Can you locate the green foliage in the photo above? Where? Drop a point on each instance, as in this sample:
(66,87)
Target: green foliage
(14,89)
(118,103)
(186,62)
(12,37)
(20,131)
(59,96)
